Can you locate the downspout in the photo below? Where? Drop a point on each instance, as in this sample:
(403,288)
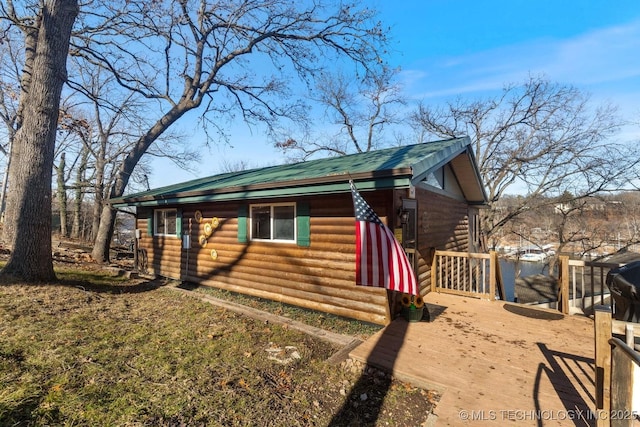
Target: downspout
(186,244)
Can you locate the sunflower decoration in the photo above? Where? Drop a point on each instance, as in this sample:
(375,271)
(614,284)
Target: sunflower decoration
(406,300)
(412,301)
(214,254)
(198,216)
(418,301)
(215,222)
(203,240)
(208,229)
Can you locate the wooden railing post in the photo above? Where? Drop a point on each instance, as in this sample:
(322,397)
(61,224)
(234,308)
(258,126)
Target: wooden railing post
(621,387)
(602,327)
(629,335)
(497,273)
(563,279)
(434,272)
(493,260)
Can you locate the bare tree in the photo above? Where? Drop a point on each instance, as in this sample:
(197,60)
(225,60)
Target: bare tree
(598,225)
(28,218)
(544,138)
(360,110)
(108,130)
(238,166)
(73,129)
(222,59)
(627,230)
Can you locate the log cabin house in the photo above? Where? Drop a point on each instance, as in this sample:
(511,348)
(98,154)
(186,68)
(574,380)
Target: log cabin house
(287,233)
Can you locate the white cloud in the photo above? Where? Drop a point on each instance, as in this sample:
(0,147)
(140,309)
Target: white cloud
(606,59)
(606,55)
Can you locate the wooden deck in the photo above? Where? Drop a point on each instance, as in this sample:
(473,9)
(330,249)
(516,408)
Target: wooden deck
(495,363)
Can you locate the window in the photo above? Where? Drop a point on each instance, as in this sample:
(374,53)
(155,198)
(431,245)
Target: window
(436,179)
(273,222)
(165,221)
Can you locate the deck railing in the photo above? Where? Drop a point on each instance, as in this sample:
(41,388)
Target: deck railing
(581,283)
(468,274)
(617,366)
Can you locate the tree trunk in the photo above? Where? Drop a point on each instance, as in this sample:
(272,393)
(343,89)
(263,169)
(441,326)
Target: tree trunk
(31,34)
(102,242)
(76,227)
(76,222)
(29,201)
(62,196)
(103,219)
(98,194)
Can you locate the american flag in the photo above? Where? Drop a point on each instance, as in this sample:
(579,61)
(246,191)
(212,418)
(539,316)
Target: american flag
(380,259)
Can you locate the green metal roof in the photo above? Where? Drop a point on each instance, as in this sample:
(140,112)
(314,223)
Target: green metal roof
(397,167)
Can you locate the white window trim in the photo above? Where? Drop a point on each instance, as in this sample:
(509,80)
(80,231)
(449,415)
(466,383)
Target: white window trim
(155,222)
(271,206)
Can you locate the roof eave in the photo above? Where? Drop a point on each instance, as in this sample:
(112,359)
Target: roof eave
(364,181)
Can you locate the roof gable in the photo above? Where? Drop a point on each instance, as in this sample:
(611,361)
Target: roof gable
(396,167)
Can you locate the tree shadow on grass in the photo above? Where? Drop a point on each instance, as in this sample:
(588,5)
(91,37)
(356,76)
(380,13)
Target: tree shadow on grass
(21,414)
(95,283)
(363,404)
(115,288)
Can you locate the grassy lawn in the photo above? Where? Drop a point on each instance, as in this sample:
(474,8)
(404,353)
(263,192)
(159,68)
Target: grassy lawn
(94,350)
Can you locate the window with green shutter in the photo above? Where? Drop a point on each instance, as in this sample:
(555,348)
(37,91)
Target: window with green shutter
(273,222)
(165,222)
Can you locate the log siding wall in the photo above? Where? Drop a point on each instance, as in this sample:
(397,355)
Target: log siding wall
(443,224)
(320,276)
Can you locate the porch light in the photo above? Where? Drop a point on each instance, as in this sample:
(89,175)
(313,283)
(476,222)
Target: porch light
(404,216)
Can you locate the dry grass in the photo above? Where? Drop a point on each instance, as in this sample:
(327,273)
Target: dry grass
(94,350)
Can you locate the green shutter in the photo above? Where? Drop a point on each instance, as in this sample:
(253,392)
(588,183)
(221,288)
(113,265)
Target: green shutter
(179,223)
(150,223)
(242,224)
(302,219)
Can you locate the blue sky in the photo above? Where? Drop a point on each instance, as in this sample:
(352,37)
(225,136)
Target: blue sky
(449,48)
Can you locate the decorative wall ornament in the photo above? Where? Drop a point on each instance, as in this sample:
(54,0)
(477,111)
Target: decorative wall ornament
(208,229)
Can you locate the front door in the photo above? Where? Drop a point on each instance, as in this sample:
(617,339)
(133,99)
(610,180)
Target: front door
(409,222)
